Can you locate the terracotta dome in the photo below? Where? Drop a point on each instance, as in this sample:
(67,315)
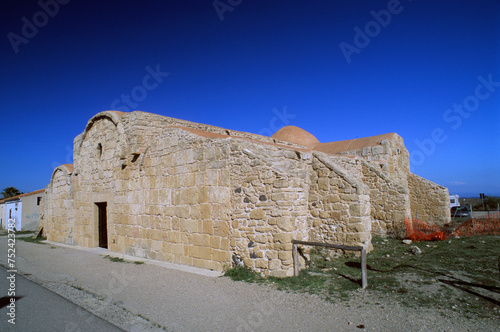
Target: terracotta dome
(296,135)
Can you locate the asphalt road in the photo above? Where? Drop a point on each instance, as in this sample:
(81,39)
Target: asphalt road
(38,309)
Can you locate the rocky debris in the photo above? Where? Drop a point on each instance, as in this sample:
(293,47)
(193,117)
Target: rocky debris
(415,250)
(359,326)
(407,241)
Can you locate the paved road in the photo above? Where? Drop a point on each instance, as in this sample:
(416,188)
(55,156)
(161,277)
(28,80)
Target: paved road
(38,309)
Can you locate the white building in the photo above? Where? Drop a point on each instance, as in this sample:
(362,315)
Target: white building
(23,209)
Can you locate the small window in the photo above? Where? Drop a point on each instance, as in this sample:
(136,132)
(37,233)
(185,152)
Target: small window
(38,200)
(99,150)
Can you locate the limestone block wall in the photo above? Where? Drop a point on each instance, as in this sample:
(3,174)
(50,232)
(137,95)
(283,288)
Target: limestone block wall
(200,195)
(398,159)
(339,203)
(389,201)
(96,163)
(185,190)
(143,127)
(269,187)
(429,201)
(389,153)
(56,207)
(170,199)
(170,203)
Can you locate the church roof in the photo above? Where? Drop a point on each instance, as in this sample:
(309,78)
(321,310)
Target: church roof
(296,135)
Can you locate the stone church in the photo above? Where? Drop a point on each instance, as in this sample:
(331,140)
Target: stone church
(158,187)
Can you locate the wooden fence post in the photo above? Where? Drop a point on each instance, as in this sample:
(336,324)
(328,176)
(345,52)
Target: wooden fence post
(295,256)
(364,276)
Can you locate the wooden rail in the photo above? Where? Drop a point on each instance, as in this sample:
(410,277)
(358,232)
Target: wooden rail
(295,256)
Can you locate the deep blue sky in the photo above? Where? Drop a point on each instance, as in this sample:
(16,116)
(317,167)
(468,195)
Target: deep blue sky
(262,58)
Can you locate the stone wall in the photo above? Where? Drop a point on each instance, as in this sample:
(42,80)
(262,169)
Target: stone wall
(269,205)
(173,198)
(395,193)
(429,201)
(338,202)
(142,127)
(56,207)
(208,197)
(170,203)
(386,151)
(196,200)
(390,201)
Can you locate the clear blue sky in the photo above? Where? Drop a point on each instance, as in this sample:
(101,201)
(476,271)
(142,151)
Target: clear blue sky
(428,70)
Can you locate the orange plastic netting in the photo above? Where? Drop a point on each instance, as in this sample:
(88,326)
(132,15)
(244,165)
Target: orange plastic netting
(480,226)
(420,230)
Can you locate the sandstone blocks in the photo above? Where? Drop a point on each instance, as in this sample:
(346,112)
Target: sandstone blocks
(202,195)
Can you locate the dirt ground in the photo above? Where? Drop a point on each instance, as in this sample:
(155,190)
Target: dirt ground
(149,297)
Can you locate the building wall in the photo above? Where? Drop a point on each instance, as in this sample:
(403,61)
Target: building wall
(13,210)
(56,208)
(31,212)
(390,201)
(174,202)
(269,205)
(338,202)
(205,196)
(171,203)
(396,193)
(429,201)
(3,216)
(387,152)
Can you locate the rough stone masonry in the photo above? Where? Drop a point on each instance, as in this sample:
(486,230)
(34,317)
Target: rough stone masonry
(158,187)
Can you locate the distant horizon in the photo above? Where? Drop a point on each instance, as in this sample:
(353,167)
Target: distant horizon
(477,197)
